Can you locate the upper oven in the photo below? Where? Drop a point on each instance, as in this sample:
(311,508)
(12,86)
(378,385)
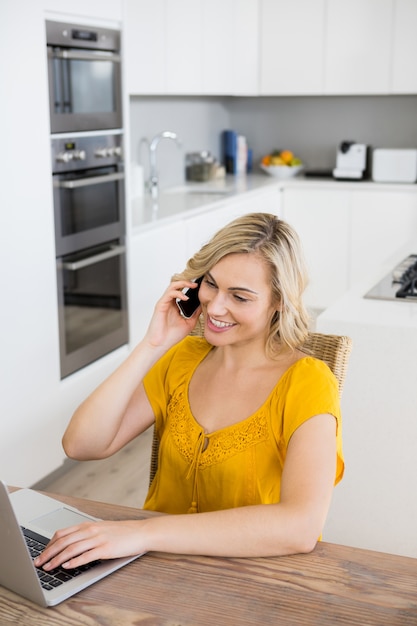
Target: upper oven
(84,77)
(88,188)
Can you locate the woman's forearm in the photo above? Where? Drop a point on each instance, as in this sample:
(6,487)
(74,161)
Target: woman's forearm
(262,530)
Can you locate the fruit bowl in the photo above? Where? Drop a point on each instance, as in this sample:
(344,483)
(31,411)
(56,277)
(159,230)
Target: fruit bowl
(282,171)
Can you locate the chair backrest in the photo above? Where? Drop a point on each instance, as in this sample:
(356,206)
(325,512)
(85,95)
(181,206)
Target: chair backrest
(334,350)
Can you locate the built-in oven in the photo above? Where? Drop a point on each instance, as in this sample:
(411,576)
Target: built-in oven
(84,77)
(89,190)
(89,206)
(92,304)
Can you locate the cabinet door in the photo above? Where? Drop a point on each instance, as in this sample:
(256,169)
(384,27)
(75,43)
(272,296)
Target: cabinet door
(230,47)
(183,47)
(144,46)
(200,228)
(382,221)
(358,46)
(154,256)
(404,74)
(292,47)
(321,219)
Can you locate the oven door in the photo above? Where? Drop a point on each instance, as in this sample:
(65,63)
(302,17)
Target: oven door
(84,89)
(92,305)
(89,208)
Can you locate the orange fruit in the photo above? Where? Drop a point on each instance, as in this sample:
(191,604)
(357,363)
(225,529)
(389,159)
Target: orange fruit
(266,160)
(287,156)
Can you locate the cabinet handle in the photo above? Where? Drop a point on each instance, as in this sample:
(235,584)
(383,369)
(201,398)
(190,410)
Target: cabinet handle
(91,260)
(84,182)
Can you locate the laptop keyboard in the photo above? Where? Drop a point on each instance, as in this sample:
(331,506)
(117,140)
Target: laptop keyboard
(49,580)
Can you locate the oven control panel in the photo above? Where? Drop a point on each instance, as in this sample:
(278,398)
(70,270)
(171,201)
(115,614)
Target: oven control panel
(84,151)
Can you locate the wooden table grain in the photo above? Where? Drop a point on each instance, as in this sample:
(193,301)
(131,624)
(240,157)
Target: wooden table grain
(333,585)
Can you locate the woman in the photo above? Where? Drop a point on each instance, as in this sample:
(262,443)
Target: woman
(249,425)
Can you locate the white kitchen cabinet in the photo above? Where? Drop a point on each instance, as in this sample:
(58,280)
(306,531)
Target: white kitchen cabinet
(404,75)
(348,234)
(230,47)
(191,47)
(381,221)
(292,47)
(358,46)
(183,47)
(321,218)
(154,256)
(144,46)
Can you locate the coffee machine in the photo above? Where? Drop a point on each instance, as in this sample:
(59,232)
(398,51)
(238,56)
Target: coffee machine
(352,161)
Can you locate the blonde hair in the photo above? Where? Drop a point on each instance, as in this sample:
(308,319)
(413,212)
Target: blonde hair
(274,241)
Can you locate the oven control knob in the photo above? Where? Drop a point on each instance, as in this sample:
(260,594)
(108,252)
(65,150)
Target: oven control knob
(79,155)
(101,153)
(64,157)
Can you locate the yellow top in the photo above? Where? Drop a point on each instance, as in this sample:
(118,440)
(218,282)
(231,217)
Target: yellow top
(238,465)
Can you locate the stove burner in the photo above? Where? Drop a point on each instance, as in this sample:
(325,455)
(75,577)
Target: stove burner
(401,283)
(408,280)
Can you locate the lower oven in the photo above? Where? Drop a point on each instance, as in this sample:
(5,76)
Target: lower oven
(89,212)
(92,304)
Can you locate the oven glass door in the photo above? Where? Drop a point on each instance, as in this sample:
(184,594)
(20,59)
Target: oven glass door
(84,89)
(92,304)
(89,208)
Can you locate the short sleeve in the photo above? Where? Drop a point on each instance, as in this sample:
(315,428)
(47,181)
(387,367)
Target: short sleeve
(307,389)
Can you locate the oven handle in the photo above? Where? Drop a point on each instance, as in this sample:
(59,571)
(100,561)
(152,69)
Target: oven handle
(94,180)
(97,258)
(85,56)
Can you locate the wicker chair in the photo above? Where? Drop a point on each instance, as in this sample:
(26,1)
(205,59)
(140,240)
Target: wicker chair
(334,350)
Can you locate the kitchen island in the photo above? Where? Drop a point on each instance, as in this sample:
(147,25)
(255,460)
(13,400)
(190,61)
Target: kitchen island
(375,505)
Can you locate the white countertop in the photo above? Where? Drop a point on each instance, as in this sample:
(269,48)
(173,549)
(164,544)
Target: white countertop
(193,198)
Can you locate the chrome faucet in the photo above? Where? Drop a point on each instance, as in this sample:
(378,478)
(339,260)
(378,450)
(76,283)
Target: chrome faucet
(153,175)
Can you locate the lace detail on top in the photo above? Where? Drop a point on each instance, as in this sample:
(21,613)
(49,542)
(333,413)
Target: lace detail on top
(222,444)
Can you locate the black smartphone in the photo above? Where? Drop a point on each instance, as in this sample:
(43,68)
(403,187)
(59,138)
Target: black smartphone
(188,307)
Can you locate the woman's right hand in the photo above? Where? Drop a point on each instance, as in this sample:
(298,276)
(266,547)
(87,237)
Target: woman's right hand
(167,326)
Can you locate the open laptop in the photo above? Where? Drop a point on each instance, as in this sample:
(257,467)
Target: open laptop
(27,512)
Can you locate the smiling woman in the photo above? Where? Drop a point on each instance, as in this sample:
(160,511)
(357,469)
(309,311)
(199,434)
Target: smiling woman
(249,425)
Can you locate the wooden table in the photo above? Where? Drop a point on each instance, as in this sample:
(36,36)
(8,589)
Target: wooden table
(333,585)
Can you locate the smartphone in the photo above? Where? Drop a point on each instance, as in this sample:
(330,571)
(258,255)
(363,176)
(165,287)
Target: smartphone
(188,307)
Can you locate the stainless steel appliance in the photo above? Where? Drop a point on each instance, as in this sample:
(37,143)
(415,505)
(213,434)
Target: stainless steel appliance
(84,77)
(351,161)
(89,191)
(400,284)
(88,187)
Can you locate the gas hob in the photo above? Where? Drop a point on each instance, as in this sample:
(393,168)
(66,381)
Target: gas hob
(400,284)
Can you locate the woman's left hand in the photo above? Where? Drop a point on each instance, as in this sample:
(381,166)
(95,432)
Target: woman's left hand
(77,545)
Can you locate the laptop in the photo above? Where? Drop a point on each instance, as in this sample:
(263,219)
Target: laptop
(28,513)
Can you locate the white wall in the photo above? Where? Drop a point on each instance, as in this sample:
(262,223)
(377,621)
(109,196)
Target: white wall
(34,404)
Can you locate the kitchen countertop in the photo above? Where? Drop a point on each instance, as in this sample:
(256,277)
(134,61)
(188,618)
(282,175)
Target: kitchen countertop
(194,198)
